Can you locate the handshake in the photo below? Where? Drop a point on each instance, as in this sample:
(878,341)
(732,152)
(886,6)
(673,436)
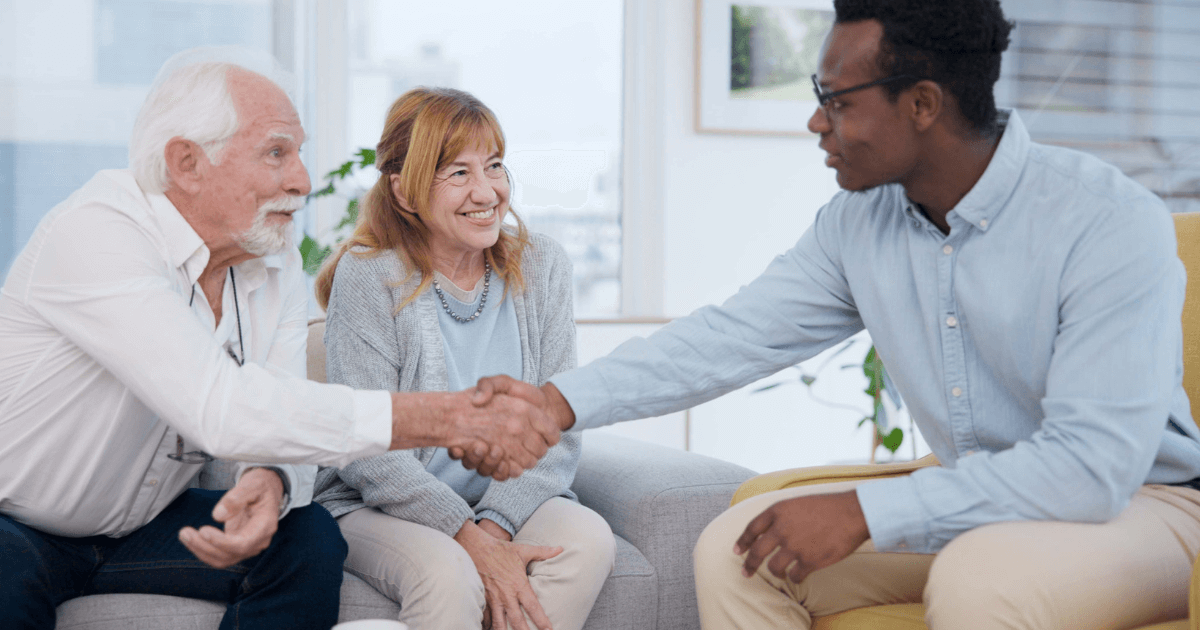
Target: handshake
(501,428)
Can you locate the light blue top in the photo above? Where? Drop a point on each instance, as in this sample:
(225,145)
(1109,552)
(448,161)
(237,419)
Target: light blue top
(1038,345)
(489,344)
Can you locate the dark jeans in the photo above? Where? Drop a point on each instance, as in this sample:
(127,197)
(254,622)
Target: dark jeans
(294,583)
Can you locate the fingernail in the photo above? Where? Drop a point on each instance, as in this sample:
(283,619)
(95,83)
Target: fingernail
(746,573)
(737,550)
(185,535)
(219,513)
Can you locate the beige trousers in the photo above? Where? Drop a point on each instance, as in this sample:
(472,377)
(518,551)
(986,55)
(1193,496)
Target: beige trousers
(1129,572)
(436,583)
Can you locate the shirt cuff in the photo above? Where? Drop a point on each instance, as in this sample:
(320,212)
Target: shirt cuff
(372,433)
(895,516)
(499,519)
(588,396)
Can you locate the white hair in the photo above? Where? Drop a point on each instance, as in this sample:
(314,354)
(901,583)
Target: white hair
(190,99)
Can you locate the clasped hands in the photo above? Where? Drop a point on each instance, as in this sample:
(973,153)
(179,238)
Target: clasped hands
(504,426)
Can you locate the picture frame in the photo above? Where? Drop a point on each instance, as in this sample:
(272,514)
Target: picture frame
(765,87)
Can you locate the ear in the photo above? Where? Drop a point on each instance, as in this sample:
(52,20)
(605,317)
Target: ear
(394,180)
(184,161)
(927,101)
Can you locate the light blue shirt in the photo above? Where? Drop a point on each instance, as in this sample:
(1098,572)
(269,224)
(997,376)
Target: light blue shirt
(1038,345)
(489,344)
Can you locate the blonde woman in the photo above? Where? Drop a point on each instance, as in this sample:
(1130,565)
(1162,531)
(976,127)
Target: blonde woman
(432,292)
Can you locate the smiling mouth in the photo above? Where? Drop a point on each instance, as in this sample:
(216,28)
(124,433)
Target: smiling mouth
(482,214)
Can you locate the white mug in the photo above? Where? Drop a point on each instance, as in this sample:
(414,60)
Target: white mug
(372,624)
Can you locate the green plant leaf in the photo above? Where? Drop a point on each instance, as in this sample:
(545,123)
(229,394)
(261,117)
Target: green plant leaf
(892,440)
(341,172)
(366,157)
(765,388)
(328,190)
(313,254)
(808,379)
(351,216)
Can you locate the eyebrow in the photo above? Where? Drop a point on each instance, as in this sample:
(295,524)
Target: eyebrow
(279,135)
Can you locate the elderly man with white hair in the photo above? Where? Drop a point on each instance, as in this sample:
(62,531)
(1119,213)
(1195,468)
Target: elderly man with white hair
(156,320)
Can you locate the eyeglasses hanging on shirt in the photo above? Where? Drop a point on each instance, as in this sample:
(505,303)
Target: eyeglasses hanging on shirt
(200,457)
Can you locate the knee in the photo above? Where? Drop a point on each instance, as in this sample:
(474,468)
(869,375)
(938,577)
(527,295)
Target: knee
(589,539)
(313,538)
(968,583)
(449,573)
(714,548)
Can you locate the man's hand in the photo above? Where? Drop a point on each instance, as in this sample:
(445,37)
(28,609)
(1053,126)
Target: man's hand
(500,439)
(503,567)
(250,512)
(547,399)
(810,533)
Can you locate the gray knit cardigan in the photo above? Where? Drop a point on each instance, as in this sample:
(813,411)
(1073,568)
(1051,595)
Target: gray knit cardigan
(372,346)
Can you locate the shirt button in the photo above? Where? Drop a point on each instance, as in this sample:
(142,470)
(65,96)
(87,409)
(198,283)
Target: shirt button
(152,482)
(957,391)
(952,321)
(947,250)
(983,223)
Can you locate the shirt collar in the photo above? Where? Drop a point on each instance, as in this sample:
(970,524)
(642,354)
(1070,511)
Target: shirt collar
(989,195)
(188,250)
(184,246)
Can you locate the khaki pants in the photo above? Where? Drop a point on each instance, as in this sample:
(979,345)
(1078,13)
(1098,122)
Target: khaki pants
(436,583)
(1129,572)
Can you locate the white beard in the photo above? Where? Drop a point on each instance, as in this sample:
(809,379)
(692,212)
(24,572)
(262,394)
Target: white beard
(263,239)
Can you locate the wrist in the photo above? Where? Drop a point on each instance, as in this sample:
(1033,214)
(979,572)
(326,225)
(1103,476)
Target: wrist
(494,529)
(277,482)
(558,408)
(419,419)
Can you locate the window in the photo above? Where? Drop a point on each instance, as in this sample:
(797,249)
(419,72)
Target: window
(1116,78)
(73,74)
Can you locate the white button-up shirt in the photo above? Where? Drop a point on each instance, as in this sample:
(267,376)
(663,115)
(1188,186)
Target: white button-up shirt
(103,363)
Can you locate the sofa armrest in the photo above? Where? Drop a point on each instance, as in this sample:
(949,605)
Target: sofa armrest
(659,499)
(796,477)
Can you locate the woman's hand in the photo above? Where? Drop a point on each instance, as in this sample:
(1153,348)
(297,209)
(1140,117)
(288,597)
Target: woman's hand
(503,567)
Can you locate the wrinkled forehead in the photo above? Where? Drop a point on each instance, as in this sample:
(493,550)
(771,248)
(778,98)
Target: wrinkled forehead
(264,109)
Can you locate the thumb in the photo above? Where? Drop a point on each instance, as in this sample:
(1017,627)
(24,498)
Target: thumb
(233,503)
(485,389)
(533,553)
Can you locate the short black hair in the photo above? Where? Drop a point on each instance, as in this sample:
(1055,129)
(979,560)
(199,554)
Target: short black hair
(956,43)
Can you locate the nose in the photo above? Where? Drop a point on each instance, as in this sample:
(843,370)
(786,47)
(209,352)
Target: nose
(295,179)
(486,191)
(818,123)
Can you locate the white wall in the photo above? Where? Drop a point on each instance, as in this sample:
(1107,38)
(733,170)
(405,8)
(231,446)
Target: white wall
(729,204)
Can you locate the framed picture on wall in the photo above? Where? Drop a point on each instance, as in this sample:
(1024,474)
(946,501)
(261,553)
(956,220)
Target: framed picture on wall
(754,63)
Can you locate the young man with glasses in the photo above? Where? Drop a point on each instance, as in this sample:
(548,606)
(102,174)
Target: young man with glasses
(1027,302)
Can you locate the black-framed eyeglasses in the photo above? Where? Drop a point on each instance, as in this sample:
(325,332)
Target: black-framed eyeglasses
(825,97)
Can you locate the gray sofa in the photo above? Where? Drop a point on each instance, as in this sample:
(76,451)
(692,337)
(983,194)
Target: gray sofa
(656,499)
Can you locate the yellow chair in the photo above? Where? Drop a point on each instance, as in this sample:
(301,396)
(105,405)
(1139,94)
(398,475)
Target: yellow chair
(912,616)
